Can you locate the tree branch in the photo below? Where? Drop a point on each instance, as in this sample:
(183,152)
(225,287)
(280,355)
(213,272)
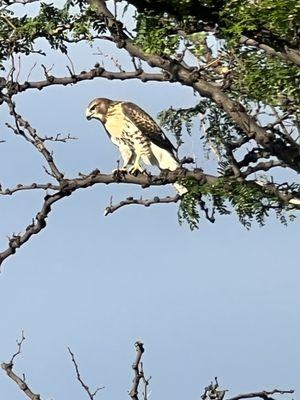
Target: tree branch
(285,54)
(10,2)
(97,72)
(33,186)
(68,186)
(90,394)
(8,368)
(263,166)
(139,376)
(34,139)
(143,202)
(263,395)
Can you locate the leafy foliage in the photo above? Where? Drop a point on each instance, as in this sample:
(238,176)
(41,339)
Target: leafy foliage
(156,34)
(57,25)
(175,120)
(270,80)
(281,17)
(218,129)
(250,201)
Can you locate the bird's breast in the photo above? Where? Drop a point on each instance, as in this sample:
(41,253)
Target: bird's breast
(115,122)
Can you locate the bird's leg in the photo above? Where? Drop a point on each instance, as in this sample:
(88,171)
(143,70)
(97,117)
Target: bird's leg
(128,160)
(128,157)
(136,168)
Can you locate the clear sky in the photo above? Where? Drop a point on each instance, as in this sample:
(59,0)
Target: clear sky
(220,301)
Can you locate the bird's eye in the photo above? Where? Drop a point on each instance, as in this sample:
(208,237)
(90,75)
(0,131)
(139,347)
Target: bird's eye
(93,107)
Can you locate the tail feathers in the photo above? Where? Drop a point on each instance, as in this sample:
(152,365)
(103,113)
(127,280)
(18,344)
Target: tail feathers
(180,189)
(166,160)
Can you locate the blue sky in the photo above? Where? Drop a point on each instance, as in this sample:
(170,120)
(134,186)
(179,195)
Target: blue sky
(220,301)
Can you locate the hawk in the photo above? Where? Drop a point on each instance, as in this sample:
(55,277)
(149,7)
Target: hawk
(136,134)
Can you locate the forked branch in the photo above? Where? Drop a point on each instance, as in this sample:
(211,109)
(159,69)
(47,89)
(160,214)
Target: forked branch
(139,375)
(90,394)
(8,368)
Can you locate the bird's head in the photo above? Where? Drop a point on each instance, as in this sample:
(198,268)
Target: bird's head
(97,109)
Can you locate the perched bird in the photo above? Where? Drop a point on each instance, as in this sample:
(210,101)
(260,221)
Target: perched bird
(136,134)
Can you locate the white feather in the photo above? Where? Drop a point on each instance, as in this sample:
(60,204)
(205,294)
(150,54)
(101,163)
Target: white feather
(165,160)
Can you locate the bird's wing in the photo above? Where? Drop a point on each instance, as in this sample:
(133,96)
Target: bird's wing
(147,126)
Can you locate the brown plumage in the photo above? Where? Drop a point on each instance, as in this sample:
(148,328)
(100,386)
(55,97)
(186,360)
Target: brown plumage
(138,137)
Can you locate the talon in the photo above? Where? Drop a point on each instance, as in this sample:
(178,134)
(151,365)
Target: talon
(119,174)
(122,171)
(136,169)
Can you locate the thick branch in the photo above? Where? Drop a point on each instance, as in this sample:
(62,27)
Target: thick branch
(139,376)
(19,381)
(263,166)
(285,54)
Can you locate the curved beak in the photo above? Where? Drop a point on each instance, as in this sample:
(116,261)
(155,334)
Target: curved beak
(88,114)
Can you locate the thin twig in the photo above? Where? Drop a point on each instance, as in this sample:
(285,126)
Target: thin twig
(19,348)
(59,138)
(143,202)
(33,186)
(34,139)
(90,394)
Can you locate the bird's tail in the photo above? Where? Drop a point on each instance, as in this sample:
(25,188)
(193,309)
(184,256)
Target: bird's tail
(166,160)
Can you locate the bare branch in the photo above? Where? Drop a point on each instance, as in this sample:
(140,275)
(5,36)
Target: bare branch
(10,2)
(287,55)
(143,202)
(263,166)
(68,186)
(90,394)
(59,138)
(19,348)
(139,376)
(8,368)
(35,139)
(213,391)
(33,186)
(263,395)
(253,156)
(35,227)
(97,72)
